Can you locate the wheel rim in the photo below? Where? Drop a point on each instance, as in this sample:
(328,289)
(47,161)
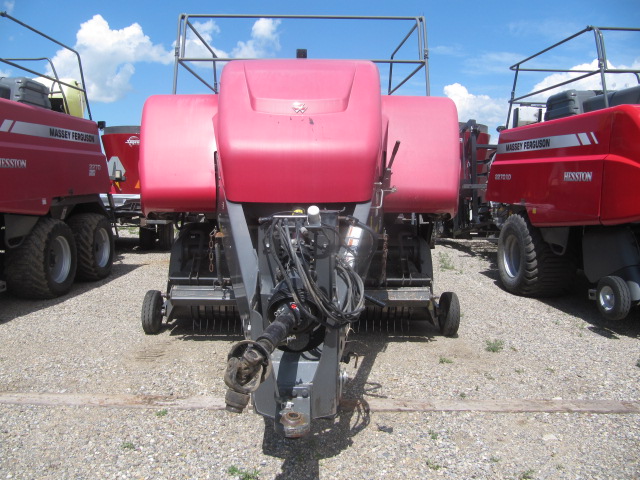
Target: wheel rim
(511,256)
(59,259)
(102,248)
(607,298)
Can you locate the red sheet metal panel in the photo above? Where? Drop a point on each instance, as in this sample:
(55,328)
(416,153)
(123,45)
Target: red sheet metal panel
(177,168)
(299,131)
(579,170)
(426,170)
(46,154)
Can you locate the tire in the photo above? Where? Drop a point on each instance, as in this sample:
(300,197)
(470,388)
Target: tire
(152,312)
(165,236)
(526,264)
(449,315)
(147,238)
(94,242)
(613,298)
(44,265)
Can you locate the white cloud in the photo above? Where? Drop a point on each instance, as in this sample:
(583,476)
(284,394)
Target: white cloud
(483,108)
(108,58)
(615,81)
(194,47)
(264,39)
(9,6)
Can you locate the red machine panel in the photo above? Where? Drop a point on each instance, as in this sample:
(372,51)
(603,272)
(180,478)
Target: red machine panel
(122,147)
(554,168)
(177,168)
(426,170)
(299,131)
(621,187)
(46,154)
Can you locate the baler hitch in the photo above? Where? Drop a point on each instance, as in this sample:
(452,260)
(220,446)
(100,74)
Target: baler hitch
(249,362)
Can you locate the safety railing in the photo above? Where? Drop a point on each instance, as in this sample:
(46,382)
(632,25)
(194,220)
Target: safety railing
(602,68)
(188,30)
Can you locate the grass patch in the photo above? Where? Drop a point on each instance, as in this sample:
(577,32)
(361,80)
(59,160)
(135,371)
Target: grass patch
(528,475)
(494,346)
(243,474)
(445,262)
(162,413)
(433,465)
(128,446)
(445,360)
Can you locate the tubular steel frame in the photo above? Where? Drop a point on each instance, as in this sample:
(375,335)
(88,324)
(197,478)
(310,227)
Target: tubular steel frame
(55,79)
(417,29)
(602,69)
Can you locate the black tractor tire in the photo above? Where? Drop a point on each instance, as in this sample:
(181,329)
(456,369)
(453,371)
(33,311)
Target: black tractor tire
(165,236)
(613,298)
(152,312)
(526,263)
(147,238)
(94,242)
(449,314)
(44,265)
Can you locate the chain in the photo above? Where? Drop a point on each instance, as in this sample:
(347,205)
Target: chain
(211,249)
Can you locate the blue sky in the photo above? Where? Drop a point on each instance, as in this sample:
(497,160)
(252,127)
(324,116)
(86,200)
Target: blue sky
(127,47)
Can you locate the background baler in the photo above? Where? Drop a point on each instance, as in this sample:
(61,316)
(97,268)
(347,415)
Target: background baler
(565,182)
(122,148)
(54,227)
(318,197)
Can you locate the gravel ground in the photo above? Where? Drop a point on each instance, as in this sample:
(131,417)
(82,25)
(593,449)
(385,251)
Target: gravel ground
(91,342)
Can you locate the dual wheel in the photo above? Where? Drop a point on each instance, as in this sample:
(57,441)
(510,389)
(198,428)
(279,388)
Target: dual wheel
(55,253)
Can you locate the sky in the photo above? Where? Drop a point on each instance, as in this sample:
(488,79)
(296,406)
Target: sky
(127,48)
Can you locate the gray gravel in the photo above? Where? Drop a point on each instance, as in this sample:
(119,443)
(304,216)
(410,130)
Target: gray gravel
(91,342)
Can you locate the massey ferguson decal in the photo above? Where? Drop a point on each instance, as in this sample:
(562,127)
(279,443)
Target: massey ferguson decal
(45,131)
(545,143)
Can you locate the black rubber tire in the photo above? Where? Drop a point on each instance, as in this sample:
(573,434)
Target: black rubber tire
(147,238)
(152,312)
(44,265)
(165,236)
(526,264)
(449,314)
(94,242)
(613,298)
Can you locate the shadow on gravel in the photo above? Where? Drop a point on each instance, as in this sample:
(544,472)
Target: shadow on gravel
(132,245)
(12,307)
(575,303)
(330,437)
(483,248)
